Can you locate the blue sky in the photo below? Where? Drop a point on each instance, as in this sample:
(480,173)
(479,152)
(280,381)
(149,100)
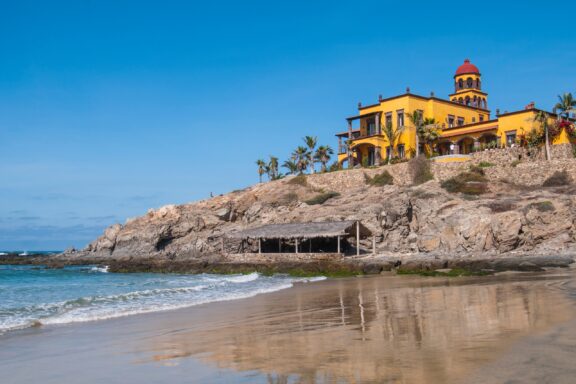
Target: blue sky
(108,108)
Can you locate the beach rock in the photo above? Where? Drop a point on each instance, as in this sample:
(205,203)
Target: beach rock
(419,220)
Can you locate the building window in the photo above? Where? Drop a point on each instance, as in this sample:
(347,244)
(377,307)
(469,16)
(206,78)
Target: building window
(389,118)
(510,138)
(469,82)
(481,117)
(400,115)
(473,119)
(460,84)
(460,121)
(371,127)
(388,152)
(450,121)
(401,151)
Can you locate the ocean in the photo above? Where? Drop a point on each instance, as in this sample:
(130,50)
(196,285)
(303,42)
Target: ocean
(33,295)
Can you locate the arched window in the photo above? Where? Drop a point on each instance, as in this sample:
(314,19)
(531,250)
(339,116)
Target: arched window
(468,100)
(460,84)
(454,100)
(475,101)
(484,103)
(469,82)
(478,84)
(461,100)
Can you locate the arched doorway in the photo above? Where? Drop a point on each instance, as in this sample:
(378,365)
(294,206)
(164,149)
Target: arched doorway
(466,145)
(489,140)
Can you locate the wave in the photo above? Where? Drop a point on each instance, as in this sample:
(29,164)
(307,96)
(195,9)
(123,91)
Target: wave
(103,269)
(196,290)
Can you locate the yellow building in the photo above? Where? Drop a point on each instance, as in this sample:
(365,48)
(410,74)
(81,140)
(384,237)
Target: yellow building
(463,122)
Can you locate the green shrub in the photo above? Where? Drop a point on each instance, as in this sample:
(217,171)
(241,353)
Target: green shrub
(299,180)
(322,198)
(542,206)
(558,179)
(469,183)
(379,180)
(397,160)
(419,168)
(485,164)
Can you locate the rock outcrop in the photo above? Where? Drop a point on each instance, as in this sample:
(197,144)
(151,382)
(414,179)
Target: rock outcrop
(415,220)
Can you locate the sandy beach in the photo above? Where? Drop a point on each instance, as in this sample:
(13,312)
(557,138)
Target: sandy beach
(382,329)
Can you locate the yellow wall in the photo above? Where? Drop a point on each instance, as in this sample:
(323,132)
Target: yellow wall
(433,108)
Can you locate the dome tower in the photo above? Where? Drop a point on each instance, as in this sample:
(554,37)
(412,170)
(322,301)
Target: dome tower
(468,87)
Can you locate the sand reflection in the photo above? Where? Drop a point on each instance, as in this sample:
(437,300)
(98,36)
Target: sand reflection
(381,330)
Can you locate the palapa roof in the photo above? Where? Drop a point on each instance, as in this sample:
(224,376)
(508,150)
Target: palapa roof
(302,230)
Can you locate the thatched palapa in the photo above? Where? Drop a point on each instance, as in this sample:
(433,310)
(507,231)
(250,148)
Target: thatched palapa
(303,231)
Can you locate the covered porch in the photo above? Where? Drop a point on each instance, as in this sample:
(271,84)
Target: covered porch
(334,237)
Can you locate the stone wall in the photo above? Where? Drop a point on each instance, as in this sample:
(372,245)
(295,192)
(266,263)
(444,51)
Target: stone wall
(516,165)
(505,156)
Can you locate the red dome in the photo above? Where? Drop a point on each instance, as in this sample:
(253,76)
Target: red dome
(467,68)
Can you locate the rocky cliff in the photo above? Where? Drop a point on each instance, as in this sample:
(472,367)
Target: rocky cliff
(516,215)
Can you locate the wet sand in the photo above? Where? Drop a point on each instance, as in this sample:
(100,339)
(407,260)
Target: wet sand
(512,328)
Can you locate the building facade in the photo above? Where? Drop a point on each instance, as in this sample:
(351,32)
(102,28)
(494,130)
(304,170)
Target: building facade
(462,122)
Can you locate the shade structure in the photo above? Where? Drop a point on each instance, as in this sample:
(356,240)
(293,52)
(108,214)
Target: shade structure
(303,230)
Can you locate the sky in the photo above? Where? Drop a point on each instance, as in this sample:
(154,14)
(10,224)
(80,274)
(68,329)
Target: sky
(109,108)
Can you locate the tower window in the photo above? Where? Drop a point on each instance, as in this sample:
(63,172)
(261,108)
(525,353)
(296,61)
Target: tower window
(460,84)
(469,82)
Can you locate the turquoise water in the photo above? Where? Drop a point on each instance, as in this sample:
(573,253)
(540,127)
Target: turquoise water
(32,295)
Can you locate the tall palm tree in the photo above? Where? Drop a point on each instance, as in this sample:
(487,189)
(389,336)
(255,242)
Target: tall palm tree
(566,104)
(543,119)
(392,135)
(311,142)
(261,168)
(430,130)
(301,157)
(417,119)
(273,168)
(291,166)
(323,155)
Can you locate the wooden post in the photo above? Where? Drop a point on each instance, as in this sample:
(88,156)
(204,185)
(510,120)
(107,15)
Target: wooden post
(259,245)
(357,238)
(296,245)
(338,244)
(373,245)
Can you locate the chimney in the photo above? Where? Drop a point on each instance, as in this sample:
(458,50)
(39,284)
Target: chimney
(532,105)
(407,89)
(359,104)
(379,97)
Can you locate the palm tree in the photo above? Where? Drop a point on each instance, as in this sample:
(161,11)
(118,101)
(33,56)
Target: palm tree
(543,118)
(311,142)
(323,155)
(392,135)
(291,166)
(301,157)
(273,168)
(261,168)
(566,104)
(430,130)
(416,119)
